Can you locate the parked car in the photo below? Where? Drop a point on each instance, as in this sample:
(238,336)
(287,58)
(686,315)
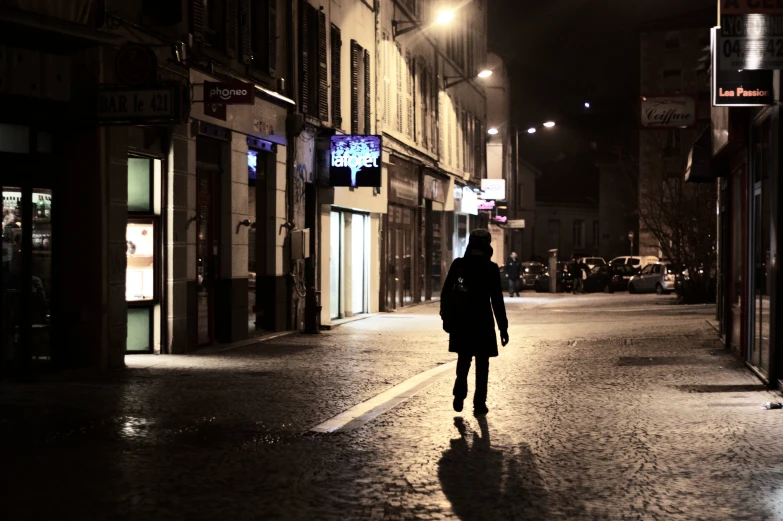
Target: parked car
(564,279)
(528,273)
(592,262)
(639,262)
(607,279)
(690,292)
(625,273)
(658,277)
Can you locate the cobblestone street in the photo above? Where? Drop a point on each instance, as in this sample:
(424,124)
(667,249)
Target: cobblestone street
(601,407)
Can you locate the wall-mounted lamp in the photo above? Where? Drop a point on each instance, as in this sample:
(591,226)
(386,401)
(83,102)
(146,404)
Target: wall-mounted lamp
(444,18)
(450,81)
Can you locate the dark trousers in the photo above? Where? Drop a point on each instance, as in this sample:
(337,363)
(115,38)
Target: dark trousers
(482,376)
(512,287)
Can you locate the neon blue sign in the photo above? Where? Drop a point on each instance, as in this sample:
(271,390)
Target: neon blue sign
(356,161)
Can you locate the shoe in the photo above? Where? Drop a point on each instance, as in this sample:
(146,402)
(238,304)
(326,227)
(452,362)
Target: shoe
(458,404)
(480,410)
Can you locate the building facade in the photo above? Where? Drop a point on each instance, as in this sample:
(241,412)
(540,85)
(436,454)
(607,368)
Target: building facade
(216,222)
(670,54)
(432,115)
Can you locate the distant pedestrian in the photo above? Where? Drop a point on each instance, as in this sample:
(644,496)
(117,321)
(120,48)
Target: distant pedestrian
(580,275)
(471,295)
(513,271)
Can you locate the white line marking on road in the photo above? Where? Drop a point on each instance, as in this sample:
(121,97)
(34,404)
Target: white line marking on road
(364,412)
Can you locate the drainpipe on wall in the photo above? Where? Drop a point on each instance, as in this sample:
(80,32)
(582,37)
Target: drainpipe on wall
(292,131)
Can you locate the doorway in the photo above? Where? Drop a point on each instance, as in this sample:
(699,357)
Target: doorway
(25,310)
(208,175)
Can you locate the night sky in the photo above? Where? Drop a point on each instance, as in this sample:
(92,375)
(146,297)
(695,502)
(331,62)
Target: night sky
(565,52)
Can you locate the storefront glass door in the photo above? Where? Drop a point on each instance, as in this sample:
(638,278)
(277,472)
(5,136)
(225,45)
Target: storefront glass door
(25,319)
(758,354)
(349,253)
(206,255)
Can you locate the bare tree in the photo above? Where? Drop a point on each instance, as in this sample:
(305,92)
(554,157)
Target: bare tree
(679,216)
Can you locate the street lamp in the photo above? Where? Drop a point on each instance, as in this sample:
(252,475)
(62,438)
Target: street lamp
(531,130)
(587,104)
(549,124)
(456,80)
(492,131)
(444,17)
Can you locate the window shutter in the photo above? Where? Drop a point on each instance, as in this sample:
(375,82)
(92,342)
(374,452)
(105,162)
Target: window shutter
(245,37)
(399,70)
(304,58)
(232,27)
(432,92)
(197,20)
(323,71)
(409,79)
(272,37)
(367,94)
(386,80)
(337,111)
(355,50)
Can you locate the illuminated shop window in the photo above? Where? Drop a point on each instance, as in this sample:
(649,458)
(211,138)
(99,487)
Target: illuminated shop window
(140,252)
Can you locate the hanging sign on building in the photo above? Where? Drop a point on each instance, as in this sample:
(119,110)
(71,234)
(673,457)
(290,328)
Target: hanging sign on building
(355,161)
(229,93)
(469,201)
(515,223)
(668,112)
(484,205)
(157,103)
(751,35)
(733,7)
(434,188)
(493,189)
(738,88)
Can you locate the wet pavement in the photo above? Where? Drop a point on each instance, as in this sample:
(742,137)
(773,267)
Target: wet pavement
(601,407)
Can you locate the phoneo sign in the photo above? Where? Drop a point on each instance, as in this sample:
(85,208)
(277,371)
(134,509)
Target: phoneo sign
(229,93)
(356,161)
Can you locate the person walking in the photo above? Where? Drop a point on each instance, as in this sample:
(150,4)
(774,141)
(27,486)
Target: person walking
(471,302)
(578,274)
(513,271)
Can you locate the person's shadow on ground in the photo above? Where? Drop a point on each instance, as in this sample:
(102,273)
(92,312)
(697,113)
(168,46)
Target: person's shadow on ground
(484,483)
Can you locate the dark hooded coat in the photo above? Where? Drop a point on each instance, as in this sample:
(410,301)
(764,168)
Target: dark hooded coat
(485,297)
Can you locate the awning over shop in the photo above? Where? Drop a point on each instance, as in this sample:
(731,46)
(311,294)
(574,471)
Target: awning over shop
(699,168)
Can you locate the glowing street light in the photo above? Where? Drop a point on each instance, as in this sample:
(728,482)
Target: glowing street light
(587,104)
(531,130)
(450,81)
(492,131)
(444,17)
(549,124)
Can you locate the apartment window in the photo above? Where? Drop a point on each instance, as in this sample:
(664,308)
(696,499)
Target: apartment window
(579,233)
(672,81)
(337,43)
(596,234)
(386,80)
(673,145)
(703,84)
(215,24)
(554,234)
(263,35)
(400,73)
(313,79)
(672,40)
(360,89)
